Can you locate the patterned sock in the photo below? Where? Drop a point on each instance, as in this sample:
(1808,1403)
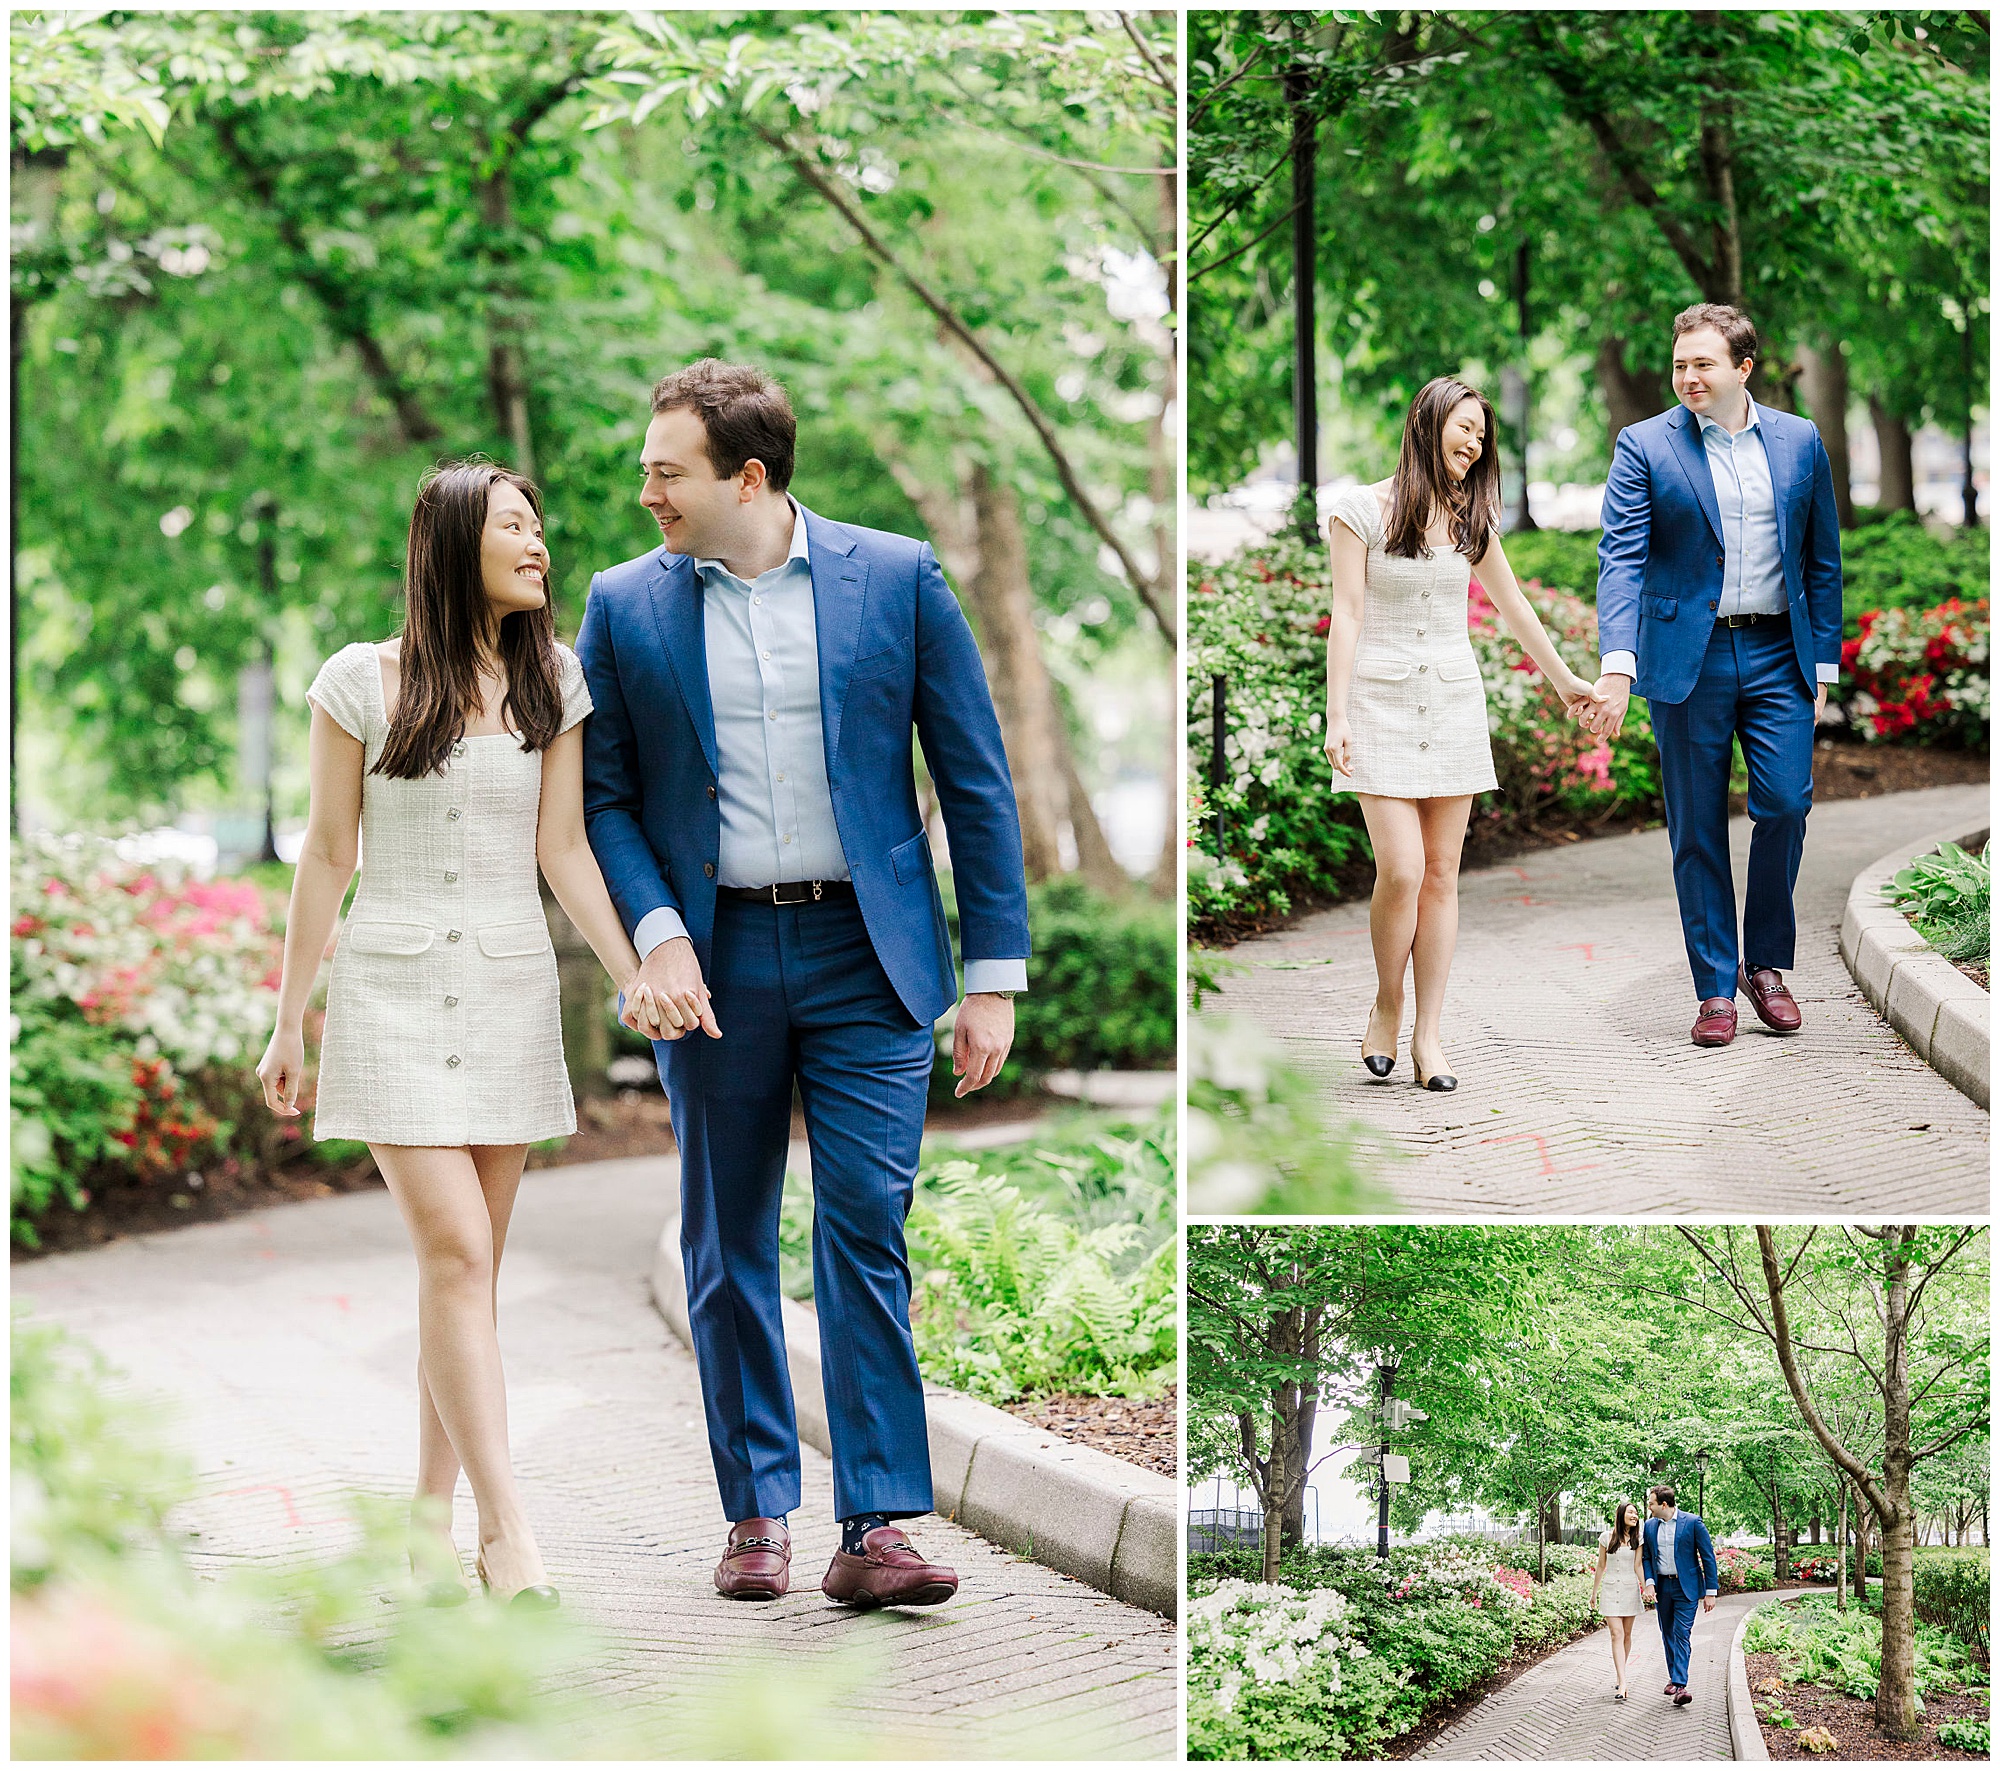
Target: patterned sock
(853,1530)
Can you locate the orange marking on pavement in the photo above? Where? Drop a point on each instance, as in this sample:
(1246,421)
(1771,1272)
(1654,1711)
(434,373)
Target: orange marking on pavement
(293,1519)
(1542,1150)
(1586,948)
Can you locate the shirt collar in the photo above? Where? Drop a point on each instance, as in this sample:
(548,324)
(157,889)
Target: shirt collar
(801,548)
(1708,424)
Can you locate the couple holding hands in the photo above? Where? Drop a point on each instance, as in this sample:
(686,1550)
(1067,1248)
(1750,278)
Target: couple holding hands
(1718,600)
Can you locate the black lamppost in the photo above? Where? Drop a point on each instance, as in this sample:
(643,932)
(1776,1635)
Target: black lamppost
(1701,1483)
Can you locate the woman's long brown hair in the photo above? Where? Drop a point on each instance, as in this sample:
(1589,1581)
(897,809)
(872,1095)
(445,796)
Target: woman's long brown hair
(1423,487)
(1619,1541)
(446,619)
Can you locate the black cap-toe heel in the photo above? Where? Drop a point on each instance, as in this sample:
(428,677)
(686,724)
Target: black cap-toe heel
(1438,1085)
(1377,1065)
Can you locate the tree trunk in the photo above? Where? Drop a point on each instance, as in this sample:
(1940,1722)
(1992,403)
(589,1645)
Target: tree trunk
(506,362)
(1094,859)
(1861,1557)
(1823,380)
(1896,1697)
(1840,1570)
(1781,1560)
(1896,483)
(1814,1527)
(1629,395)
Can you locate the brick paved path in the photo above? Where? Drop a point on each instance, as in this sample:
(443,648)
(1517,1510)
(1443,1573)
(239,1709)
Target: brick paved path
(285,1343)
(1563,1708)
(1567,1026)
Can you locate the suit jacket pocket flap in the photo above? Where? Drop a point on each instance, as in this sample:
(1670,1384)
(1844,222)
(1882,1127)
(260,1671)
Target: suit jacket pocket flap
(1382,670)
(911,858)
(388,937)
(1662,608)
(511,940)
(1458,670)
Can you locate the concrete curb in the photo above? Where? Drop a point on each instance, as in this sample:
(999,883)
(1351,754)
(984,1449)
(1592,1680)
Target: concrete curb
(1927,999)
(1076,1510)
(1746,1734)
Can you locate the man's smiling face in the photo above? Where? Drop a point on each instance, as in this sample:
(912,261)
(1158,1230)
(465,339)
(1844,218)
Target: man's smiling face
(696,511)
(1703,373)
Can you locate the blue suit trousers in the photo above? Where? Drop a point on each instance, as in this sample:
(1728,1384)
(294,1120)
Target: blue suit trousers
(802,1000)
(1750,689)
(1677,1615)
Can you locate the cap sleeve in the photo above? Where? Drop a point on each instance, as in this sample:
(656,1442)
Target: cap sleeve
(575,695)
(1356,507)
(340,691)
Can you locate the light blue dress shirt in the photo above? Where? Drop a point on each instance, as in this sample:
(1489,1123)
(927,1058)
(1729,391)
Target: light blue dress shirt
(771,784)
(1753,570)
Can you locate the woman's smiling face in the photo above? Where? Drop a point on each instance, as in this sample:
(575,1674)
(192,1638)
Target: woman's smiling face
(513,562)
(1464,439)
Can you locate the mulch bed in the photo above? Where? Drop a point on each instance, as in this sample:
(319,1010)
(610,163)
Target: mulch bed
(1843,768)
(1851,1720)
(633,1122)
(1142,1433)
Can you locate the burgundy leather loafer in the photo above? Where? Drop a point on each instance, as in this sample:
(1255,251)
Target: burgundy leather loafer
(1716,1024)
(758,1562)
(887,1572)
(1769,997)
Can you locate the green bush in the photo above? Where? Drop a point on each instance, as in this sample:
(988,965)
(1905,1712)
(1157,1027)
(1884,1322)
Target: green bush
(1842,1650)
(1948,896)
(1966,1736)
(71,1096)
(1894,562)
(1564,559)
(1564,1558)
(1954,1592)
(1100,983)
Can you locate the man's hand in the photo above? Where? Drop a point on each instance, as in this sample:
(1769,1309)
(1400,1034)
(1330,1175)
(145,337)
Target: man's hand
(980,1040)
(1819,705)
(673,974)
(1608,716)
(1708,1601)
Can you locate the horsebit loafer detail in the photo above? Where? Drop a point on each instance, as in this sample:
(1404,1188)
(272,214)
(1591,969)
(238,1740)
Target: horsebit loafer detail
(1716,1024)
(1769,997)
(887,1572)
(758,1561)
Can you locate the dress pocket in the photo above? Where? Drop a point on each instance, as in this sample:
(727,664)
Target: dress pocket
(1459,670)
(1382,670)
(405,938)
(515,940)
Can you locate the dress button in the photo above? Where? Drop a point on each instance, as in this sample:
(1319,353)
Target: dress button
(1420,633)
(453,936)
(1427,596)
(451,879)
(708,869)
(451,1002)
(453,814)
(1421,708)
(1421,668)
(458,750)
(1423,744)
(451,1063)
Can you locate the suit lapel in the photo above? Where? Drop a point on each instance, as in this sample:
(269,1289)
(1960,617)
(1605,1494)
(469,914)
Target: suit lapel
(1778,454)
(840,594)
(1693,457)
(677,610)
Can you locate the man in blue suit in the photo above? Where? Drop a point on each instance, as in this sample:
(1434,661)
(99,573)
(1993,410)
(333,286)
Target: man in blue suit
(749,793)
(1681,1572)
(1718,600)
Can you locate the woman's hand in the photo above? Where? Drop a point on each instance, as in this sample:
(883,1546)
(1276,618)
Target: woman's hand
(282,1069)
(1339,745)
(645,1013)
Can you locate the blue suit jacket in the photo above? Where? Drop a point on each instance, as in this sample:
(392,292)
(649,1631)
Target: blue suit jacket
(1660,564)
(1694,1555)
(895,655)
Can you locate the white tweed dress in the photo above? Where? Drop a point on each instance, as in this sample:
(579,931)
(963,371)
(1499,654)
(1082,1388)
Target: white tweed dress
(1619,1593)
(1415,705)
(443,1018)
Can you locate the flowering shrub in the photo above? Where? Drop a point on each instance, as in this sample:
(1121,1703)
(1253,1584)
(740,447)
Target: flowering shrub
(1921,675)
(1820,1565)
(1413,1630)
(1260,621)
(1741,1571)
(1563,1558)
(140,997)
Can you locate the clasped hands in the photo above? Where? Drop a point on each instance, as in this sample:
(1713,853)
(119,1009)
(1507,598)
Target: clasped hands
(1598,707)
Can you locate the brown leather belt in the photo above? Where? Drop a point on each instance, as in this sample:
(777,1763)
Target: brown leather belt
(794,891)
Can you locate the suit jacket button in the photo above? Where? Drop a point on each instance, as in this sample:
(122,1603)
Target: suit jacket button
(1711,605)
(711,790)
(708,869)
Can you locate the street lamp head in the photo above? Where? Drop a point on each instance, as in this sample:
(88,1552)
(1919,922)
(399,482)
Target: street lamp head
(1701,1461)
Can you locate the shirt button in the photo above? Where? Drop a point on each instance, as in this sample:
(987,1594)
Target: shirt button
(781,774)
(450,879)
(451,1002)
(788,838)
(708,869)
(451,1063)
(453,936)
(757,600)
(763,654)
(773,714)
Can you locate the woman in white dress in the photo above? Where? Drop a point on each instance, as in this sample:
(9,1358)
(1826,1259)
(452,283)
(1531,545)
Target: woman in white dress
(1405,710)
(454,753)
(1616,1591)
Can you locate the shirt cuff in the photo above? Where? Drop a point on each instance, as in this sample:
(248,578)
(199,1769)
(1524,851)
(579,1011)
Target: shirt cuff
(663,924)
(1619,664)
(995,974)
(1828,673)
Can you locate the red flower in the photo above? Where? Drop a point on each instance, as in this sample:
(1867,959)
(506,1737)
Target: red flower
(1322,624)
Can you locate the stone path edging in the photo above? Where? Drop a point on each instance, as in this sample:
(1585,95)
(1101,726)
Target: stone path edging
(1072,1508)
(1746,1734)
(1944,1015)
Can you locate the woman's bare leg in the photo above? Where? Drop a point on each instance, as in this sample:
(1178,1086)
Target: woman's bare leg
(499,1168)
(1395,831)
(1443,825)
(1621,1646)
(443,1195)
